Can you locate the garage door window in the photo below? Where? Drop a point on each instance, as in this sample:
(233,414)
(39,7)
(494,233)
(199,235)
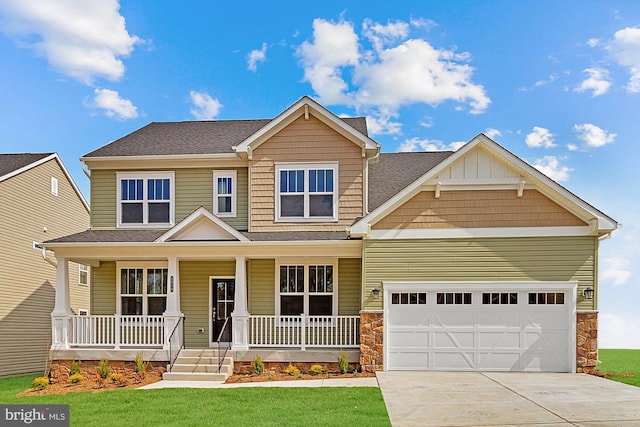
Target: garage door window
(499,298)
(546,298)
(453,298)
(409,298)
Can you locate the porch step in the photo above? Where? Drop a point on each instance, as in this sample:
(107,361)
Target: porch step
(199,365)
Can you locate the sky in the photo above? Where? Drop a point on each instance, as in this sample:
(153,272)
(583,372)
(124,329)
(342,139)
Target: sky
(555,82)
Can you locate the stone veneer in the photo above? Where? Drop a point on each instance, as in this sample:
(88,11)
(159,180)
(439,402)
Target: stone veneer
(371,334)
(586,342)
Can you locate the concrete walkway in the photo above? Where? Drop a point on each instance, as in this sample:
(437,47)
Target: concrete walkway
(327,382)
(507,399)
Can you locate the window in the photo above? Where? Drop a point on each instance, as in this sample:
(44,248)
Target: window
(546,298)
(307,192)
(143,291)
(83,273)
(54,186)
(306,289)
(83,312)
(224,193)
(455,298)
(410,298)
(145,199)
(500,298)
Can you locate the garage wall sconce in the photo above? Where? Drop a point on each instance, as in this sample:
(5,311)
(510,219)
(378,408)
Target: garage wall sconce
(588,293)
(375,292)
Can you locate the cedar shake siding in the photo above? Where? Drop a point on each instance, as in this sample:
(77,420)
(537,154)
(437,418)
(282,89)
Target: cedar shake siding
(305,141)
(476,209)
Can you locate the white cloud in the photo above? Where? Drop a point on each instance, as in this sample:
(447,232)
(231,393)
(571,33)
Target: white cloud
(618,331)
(552,78)
(113,105)
(255,56)
(625,49)
(594,136)
(383,125)
(81,39)
(417,144)
(572,147)
(593,42)
(598,82)
(204,106)
(539,137)
(616,270)
(551,167)
(492,133)
(396,72)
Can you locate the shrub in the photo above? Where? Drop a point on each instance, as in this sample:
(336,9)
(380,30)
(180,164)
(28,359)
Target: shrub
(74,367)
(75,378)
(141,365)
(103,368)
(316,369)
(292,370)
(257,365)
(117,378)
(40,383)
(343,361)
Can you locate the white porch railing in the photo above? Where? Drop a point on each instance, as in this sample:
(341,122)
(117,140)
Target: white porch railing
(304,331)
(117,331)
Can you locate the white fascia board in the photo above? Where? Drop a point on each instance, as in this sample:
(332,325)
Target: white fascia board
(462,233)
(134,162)
(244,146)
(194,216)
(480,285)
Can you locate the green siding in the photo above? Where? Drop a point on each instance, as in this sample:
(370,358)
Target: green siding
(103,288)
(349,270)
(490,259)
(194,296)
(261,283)
(103,199)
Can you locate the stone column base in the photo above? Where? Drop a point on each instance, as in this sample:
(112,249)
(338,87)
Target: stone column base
(371,334)
(587,343)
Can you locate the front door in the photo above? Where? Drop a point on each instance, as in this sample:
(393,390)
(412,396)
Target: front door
(222,292)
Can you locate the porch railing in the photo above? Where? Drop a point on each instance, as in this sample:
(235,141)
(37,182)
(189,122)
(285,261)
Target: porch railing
(304,331)
(116,331)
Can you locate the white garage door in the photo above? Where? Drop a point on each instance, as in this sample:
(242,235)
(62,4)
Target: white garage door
(483,327)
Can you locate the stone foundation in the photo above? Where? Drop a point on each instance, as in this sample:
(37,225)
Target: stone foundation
(59,372)
(331,367)
(586,343)
(371,334)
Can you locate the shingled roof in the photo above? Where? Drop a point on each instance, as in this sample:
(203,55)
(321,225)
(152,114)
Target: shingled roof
(191,137)
(12,162)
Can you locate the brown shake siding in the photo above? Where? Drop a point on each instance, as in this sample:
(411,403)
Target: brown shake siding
(306,141)
(479,208)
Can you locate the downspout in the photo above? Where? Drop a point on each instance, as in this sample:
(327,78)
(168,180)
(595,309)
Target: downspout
(366,182)
(44,256)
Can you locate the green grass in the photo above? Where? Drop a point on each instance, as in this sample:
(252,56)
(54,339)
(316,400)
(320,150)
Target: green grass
(251,406)
(621,362)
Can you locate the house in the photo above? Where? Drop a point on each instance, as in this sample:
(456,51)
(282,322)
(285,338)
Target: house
(40,202)
(296,237)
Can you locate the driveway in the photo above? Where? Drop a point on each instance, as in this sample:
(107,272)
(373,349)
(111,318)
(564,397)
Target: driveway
(507,399)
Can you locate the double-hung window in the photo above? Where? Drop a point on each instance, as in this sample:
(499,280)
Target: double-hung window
(83,274)
(143,291)
(145,199)
(224,193)
(306,288)
(307,192)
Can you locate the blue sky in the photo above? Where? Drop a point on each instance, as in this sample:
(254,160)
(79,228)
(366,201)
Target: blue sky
(556,83)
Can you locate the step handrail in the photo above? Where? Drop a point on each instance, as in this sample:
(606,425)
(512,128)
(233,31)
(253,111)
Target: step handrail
(172,358)
(227,346)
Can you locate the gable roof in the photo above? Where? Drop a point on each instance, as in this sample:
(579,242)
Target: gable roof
(202,225)
(570,201)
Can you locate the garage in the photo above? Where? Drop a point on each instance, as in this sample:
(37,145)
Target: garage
(495,326)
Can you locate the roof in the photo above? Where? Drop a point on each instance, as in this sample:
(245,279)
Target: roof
(13,162)
(192,137)
(394,171)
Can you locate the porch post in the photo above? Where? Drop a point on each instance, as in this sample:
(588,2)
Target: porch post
(240,315)
(61,314)
(172,313)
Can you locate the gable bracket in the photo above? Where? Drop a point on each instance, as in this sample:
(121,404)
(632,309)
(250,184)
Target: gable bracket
(306,111)
(521,188)
(438,188)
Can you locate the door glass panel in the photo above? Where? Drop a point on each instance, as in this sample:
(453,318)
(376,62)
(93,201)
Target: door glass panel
(230,290)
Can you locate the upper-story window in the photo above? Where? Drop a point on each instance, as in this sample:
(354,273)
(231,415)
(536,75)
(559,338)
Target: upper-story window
(145,198)
(306,192)
(224,193)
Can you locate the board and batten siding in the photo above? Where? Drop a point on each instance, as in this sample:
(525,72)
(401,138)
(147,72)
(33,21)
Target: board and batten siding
(484,259)
(194,296)
(194,188)
(306,141)
(30,213)
(478,208)
(104,292)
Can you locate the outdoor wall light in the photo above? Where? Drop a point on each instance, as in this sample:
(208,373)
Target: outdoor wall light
(376,293)
(588,293)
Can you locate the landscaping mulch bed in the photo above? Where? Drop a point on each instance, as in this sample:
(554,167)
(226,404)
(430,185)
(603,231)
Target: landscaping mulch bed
(278,375)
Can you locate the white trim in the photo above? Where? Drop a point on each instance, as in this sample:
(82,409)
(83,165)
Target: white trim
(305,262)
(201,212)
(210,325)
(461,233)
(233,175)
(145,176)
(83,312)
(144,265)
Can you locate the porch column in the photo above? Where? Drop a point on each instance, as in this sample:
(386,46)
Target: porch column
(61,314)
(172,313)
(240,315)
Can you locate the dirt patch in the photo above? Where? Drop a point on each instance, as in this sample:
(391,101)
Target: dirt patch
(277,375)
(94,383)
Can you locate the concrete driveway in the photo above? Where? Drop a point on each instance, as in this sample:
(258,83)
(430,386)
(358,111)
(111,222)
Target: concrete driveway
(507,399)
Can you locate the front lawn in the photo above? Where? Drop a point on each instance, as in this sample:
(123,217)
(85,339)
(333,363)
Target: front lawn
(251,406)
(623,365)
